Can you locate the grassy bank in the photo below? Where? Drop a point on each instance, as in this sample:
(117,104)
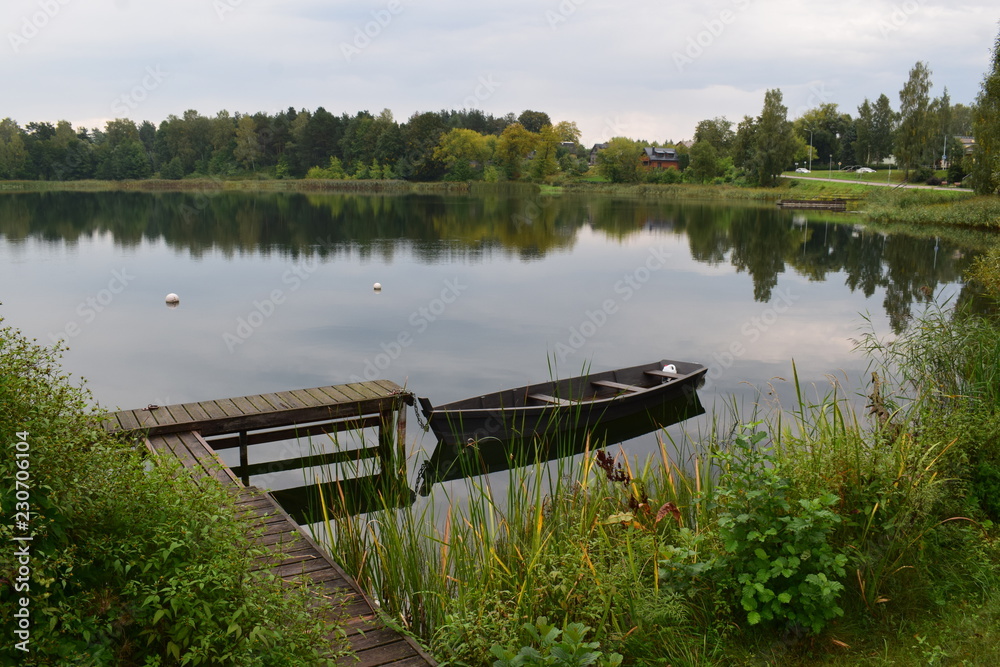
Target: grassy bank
(128,563)
(802,536)
(958,208)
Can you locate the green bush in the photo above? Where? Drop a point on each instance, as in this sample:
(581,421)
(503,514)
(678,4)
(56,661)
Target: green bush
(131,563)
(779,548)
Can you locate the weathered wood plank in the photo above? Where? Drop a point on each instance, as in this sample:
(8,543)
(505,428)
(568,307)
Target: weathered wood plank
(618,385)
(385,654)
(196,411)
(213,410)
(228,407)
(145,419)
(177,413)
(244,405)
(306,398)
(291,401)
(208,459)
(127,420)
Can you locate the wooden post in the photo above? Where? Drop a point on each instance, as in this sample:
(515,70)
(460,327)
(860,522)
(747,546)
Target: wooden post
(244,457)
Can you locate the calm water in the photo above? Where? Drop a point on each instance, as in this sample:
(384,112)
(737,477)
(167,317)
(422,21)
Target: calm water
(479,294)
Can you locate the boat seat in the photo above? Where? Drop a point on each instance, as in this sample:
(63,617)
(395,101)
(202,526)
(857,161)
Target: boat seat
(617,385)
(663,374)
(545,398)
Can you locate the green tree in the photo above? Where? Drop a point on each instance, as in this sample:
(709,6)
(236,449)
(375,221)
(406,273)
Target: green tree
(985,172)
(513,146)
(717,132)
(620,162)
(884,121)
(248,150)
(462,145)
(773,144)
(421,136)
(12,151)
(545,163)
(916,122)
(568,131)
(534,121)
(704,164)
(865,132)
(826,128)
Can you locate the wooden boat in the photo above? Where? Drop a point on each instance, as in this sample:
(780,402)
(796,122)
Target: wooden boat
(575,404)
(455,461)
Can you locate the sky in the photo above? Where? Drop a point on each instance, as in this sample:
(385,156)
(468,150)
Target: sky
(646,69)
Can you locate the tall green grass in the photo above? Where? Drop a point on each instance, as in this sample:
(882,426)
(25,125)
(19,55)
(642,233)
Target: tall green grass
(828,525)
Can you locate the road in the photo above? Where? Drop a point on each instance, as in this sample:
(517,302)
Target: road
(884,185)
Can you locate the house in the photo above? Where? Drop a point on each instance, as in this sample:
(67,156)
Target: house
(654,158)
(969,143)
(594,151)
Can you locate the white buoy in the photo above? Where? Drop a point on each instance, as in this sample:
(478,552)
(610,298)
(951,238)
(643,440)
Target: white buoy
(173,298)
(378,287)
(670,368)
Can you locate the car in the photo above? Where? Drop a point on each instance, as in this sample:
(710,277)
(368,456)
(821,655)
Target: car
(865,170)
(802,170)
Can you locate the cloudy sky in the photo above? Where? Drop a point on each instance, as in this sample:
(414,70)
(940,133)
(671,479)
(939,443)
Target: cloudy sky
(641,68)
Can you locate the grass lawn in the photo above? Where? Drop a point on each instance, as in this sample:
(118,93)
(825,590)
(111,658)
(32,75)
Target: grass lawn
(880,176)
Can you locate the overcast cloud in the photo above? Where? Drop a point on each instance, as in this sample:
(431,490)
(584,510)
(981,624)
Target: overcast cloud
(646,69)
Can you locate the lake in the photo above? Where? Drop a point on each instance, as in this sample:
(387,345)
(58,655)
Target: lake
(479,293)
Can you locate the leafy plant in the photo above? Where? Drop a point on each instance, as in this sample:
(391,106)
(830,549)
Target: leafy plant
(779,548)
(565,648)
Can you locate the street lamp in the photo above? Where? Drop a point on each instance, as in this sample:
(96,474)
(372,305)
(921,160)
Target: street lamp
(831,165)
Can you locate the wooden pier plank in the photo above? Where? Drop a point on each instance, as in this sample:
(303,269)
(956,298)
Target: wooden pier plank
(292,554)
(126,419)
(244,405)
(196,411)
(178,413)
(228,407)
(212,410)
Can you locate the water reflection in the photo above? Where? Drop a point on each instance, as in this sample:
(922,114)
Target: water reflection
(760,240)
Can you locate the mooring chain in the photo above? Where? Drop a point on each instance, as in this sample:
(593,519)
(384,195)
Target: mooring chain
(420,420)
(410,398)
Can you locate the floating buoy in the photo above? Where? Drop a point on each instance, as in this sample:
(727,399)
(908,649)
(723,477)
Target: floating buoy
(173,298)
(378,287)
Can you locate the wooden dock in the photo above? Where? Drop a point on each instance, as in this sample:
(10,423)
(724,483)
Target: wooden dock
(822,203)
(181,432)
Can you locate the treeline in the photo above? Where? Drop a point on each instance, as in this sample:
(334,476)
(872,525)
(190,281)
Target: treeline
(457,145)
(922,136)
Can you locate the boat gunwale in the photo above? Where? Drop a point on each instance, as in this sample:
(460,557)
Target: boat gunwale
(444,410)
